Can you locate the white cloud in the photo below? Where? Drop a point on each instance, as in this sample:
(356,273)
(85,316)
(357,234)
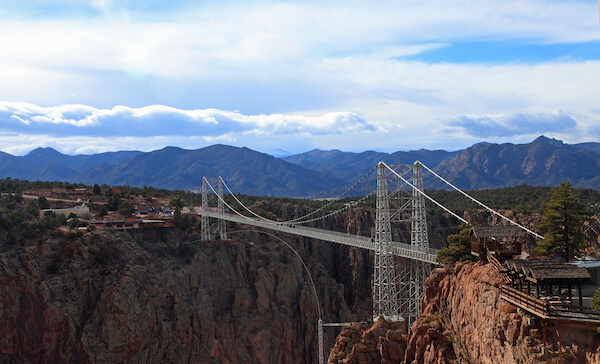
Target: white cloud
(290,68)
(158,120)
(224,38)
(499,126)
(447,90)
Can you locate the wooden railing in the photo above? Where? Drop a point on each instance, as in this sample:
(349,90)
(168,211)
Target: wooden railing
(552,308)
(525,301)
(493,260)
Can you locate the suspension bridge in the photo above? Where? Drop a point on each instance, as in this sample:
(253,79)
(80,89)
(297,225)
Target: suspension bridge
(400,197)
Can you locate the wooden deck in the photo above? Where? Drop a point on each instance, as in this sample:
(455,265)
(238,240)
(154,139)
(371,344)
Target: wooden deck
(553,309)
(499,245)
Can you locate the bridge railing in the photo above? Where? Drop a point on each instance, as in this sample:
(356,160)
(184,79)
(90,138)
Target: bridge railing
(399,249)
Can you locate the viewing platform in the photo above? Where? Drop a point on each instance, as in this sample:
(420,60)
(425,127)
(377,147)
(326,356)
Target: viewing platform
(542,287)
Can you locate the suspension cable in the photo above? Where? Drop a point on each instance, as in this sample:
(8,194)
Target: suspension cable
(297,220)
(334,212)
(334,200)
(228,205)
(424,194)
(273,221)
(244,206)
(482,205)
(289,221)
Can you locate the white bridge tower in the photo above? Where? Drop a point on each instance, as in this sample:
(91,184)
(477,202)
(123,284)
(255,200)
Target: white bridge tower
(205,224)
(398,286)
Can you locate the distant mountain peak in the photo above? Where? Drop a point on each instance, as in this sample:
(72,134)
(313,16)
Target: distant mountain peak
(551,141)
(170,148)
(543,161)
(481,144)
(45,151)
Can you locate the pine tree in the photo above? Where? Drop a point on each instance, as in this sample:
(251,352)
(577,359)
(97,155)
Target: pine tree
(43,203)
(563,224)
(96,190)
(459,247)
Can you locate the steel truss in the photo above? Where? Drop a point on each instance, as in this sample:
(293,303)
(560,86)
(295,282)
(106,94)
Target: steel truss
(205,224)
(407,206)
(385,297)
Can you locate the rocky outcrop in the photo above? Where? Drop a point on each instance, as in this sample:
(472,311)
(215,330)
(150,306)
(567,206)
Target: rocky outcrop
(142,299)
(485,328)
(382,342)
(464,320)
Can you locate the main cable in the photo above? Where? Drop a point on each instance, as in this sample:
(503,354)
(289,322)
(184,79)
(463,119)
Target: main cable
(424,194)
(483,205)
(334,200)
(298,219)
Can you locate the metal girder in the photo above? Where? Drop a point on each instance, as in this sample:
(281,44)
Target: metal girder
(205,225)
(221,209)
(385,297)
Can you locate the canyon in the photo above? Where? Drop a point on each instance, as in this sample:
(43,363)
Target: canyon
(103,298)
(162,295)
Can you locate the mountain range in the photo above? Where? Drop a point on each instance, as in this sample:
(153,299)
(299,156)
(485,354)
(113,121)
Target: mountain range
(543,162)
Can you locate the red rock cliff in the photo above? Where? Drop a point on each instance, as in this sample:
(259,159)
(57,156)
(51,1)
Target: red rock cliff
(119,299)
(464,319)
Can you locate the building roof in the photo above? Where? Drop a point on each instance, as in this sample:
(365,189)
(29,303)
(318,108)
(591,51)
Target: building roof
(497,231)
(545,269)
(586,264)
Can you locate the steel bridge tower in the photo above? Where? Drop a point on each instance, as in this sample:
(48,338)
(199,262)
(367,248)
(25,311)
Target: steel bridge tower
(414,272)
(205,227)
(398,293)
(385,297)
(205,224)
(221,209)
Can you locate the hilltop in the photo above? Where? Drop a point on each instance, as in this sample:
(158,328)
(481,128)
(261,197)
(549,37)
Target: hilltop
(318,173)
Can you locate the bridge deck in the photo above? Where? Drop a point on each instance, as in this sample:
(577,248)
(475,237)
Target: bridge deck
(398,249)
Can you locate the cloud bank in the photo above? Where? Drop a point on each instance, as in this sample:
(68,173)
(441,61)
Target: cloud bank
(351,75)
(81,129)
(501,126)
(162,121)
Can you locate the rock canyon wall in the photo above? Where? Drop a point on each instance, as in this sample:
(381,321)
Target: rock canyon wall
(144,299)
(464,320)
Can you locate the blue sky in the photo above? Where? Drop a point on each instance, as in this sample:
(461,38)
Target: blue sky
(104,75)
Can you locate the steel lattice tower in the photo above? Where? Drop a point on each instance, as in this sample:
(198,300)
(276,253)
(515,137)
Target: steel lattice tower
(418,271)
(221,210)
(205,227)
(409,208)
(385,298)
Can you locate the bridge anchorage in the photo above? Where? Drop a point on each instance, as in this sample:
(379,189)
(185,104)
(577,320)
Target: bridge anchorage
(398,284)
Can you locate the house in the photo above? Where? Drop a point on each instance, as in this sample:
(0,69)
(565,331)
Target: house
(141,210)
(167,211)
(132,223)
(79,211)
(502,242)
